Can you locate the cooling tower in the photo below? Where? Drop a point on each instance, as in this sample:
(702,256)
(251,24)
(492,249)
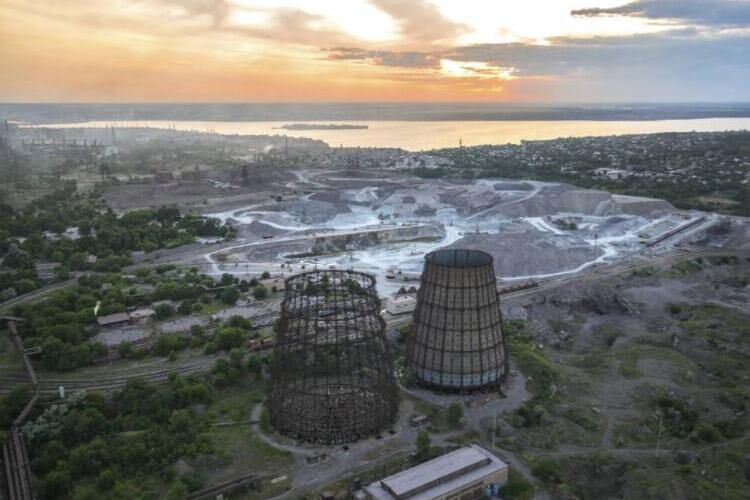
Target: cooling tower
(456,342)
(332,378)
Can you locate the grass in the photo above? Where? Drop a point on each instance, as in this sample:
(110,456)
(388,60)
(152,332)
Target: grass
(542,375)
(466,438)
(683,268)
(241,451)
(10,359)
(518,487)
(269,490)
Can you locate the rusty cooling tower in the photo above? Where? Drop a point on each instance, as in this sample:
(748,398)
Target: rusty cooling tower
(457,342)
(332,378)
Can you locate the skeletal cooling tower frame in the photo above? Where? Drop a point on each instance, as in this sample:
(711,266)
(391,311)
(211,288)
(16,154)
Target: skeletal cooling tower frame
(457,344)
(332,379)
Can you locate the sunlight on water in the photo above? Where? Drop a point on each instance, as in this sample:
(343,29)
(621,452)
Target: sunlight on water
(420,135)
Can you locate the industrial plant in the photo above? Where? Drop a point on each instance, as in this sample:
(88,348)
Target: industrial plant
(457,343)
(332,377)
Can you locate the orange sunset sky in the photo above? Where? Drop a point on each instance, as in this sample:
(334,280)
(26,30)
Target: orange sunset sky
(371,50)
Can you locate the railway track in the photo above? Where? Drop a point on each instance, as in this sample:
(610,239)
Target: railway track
(160,376)
(247,482)
(15,455)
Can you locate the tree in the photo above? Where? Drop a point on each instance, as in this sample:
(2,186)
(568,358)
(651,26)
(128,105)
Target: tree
(254,362)
(455,414)
(230,295)
(228,337)
(164,311)
(260,292)
(18,259)
(167,344)
(56,484)
(178,491)
(62,273)
(238,321)
(185,308)
(423,445)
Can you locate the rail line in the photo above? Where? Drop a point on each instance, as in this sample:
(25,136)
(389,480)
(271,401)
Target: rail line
(160,376)
(15,455)
(249,481)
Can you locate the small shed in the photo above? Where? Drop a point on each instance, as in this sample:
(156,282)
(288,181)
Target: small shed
(113,319)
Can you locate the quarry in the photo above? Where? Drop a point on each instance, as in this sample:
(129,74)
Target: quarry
(386,225)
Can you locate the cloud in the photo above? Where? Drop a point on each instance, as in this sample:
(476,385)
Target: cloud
(675,65)
(420,21)
(729,13)
(294,26)
(217,10)
(407,59)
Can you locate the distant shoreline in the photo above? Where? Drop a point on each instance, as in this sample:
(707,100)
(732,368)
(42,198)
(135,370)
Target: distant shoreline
(314,113)
(321,126)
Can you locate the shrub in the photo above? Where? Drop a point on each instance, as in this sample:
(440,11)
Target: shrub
(260,292)
(164,311)
(548,470)
(455,414)
(229,295)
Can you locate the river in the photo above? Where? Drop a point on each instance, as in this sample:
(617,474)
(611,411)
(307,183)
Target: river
(424,135)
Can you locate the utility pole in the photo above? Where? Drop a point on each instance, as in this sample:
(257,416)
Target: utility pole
(658,434)
(494,430)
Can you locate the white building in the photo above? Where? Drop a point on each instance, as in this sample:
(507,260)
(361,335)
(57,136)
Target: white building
(401,304)
(467,473)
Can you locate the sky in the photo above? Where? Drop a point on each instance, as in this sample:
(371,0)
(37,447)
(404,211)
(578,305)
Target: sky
(374,50)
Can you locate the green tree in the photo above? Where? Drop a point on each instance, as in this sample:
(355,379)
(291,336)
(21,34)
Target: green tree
(57,484)
(229,295)
(260,292)
(164,311)
(226,338)
(178,491)
(185,308)
(423,445)
(454,415)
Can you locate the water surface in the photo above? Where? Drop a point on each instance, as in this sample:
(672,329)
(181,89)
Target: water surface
(423,135)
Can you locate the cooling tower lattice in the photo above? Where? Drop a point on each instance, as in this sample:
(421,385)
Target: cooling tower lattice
(332,378)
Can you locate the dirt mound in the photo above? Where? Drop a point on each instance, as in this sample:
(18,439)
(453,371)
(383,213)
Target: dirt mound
(530,253)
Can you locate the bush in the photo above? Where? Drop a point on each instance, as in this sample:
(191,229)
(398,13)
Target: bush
(423,445)
(164,311)
(166,344)
(548,470)
(185,308)
(705,432)
(518,487)
(455,415)
(260,292)
(226,338)
(237,321)
(230,295)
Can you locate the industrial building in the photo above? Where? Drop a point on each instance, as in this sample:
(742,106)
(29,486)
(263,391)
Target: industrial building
(401,304)
(468,473)
(457,342)
(332,378)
